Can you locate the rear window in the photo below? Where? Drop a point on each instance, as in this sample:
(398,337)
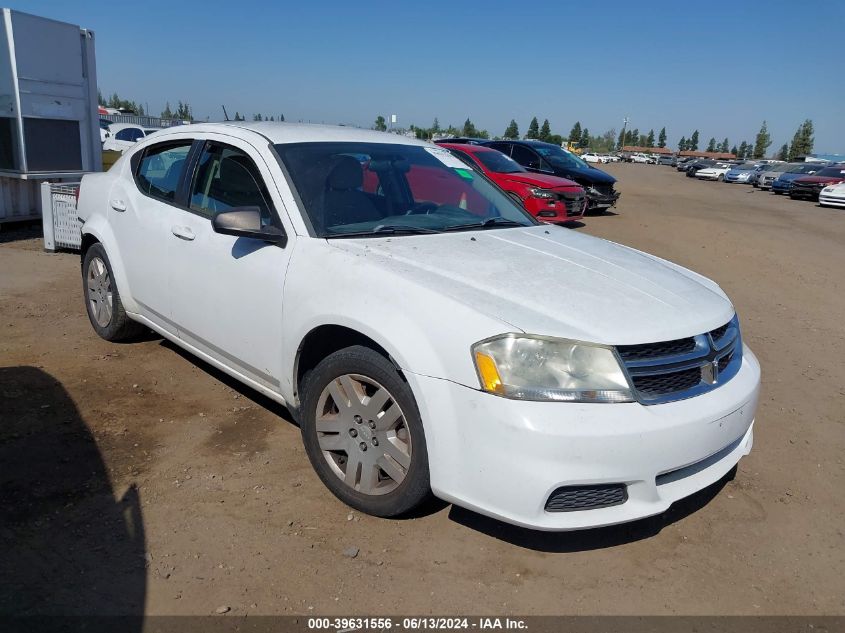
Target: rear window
(498,162)
(837,171)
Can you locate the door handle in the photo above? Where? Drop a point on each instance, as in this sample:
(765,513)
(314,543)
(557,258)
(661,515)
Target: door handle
(182,232)
(118,205)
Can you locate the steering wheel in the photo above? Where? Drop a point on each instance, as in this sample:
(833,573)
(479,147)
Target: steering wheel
(422,208)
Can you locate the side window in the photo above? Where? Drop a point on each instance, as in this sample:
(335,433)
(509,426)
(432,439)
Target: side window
(226,178)
(131,134)
(505,148)
(526,157)
(464,157)
(160,170)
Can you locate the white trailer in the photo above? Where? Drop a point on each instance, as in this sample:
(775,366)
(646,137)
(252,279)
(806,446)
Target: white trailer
(49,128)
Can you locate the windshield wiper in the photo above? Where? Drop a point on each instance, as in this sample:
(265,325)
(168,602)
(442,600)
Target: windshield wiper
(387,229)
(489,223)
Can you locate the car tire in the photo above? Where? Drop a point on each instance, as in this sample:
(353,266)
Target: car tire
(358,411)
(720,178)
(777,193)
(102,299)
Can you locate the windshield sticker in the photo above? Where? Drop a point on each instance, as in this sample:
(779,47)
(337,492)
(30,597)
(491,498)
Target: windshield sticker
(446,157)
(464,173)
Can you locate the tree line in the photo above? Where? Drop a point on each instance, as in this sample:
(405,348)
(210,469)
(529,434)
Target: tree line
(183,110)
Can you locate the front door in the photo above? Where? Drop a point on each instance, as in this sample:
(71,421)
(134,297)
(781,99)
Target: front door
(226,291)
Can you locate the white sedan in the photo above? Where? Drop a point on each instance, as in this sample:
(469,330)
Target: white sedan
(593,158)
(716,172)
(833,196)
(122,136)
(427,333)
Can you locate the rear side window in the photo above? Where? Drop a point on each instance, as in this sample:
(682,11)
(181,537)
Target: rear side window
(226,178)
(160,170)
(525,156)
(129,134)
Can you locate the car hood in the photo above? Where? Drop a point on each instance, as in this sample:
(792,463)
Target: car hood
(549,280)
(814,180)
(787,176)
(543,181)
(590,175)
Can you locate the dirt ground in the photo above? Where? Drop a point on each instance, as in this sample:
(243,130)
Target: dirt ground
(134,479)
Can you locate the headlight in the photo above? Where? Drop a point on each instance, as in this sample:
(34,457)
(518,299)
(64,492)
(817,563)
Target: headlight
(542,193)
(525,367)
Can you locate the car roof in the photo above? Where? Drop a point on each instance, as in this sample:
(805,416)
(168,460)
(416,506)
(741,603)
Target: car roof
(282,132)
(468,148)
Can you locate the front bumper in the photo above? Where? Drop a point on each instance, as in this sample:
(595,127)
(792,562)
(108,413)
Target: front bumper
(832,201)
(558,210)
(504,458)
(807,193)
(602,200)
(701,176)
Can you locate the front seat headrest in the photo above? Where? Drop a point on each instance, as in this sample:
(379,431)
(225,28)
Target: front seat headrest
(347,173)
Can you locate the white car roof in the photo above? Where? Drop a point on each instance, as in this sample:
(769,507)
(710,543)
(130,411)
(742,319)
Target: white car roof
(282,132)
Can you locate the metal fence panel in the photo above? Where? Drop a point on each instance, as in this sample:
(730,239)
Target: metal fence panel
(62,228)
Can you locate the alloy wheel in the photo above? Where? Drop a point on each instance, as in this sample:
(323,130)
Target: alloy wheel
(99,291)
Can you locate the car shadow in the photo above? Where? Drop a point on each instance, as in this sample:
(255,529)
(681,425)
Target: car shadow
(591,539)
(69,546)
(572,224)
(599,214)
(247,392)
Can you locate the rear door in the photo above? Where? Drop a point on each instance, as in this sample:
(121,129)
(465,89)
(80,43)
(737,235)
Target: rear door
(141,214)
(227,291)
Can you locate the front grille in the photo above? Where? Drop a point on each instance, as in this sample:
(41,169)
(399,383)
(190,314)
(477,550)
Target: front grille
(682,368)
(659,384)
(604,189)
(570,498)
(574,206)
(656,350)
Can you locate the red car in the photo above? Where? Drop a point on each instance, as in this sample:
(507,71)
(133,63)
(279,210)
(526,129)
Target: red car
(548,198)
(811,185)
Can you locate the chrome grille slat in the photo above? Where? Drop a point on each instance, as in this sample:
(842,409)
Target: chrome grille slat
(683,368)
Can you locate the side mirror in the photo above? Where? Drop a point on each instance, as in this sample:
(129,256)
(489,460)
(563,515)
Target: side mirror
(246,222)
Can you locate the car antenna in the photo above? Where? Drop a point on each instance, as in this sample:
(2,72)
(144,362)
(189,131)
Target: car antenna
(225,114)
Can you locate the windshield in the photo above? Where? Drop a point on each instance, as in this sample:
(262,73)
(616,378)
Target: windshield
(558,157)
(836,171)
(498,162)
(365,189)
(805,169)
(745,167)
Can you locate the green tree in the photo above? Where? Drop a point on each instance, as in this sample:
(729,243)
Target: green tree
(167,113)
(100,100)
(512,131)
(649,140)
(281,117)
(630,138)
(735,151)
(435,127)
(620,142)
(533,129)
(783,154)
(761,144)
(469,129)
(711,145)
(586,139)
(183,112)
(380,124)
(635,136)
(661,138)
(803,141)
(724,147)
(575,133)
(556,139)
(545,131)
(682,144)
(693,142)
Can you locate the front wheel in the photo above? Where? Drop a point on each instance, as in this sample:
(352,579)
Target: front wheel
(363,433)
(720,178)
(102,300)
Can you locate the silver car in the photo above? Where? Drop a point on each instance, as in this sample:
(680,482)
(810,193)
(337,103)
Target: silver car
(765,179)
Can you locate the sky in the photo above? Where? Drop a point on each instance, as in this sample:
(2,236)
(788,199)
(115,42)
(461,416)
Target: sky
(722,68)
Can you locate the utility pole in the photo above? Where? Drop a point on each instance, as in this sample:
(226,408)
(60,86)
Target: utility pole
(624,125)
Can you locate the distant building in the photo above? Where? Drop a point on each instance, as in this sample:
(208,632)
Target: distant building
(635,149)
(711,155)
(820,158)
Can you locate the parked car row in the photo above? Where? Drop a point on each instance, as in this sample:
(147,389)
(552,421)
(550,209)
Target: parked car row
(809,181)
(546,184)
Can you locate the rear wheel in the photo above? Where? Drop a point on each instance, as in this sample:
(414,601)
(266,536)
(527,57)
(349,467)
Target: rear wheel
(102,300)
(363,434)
